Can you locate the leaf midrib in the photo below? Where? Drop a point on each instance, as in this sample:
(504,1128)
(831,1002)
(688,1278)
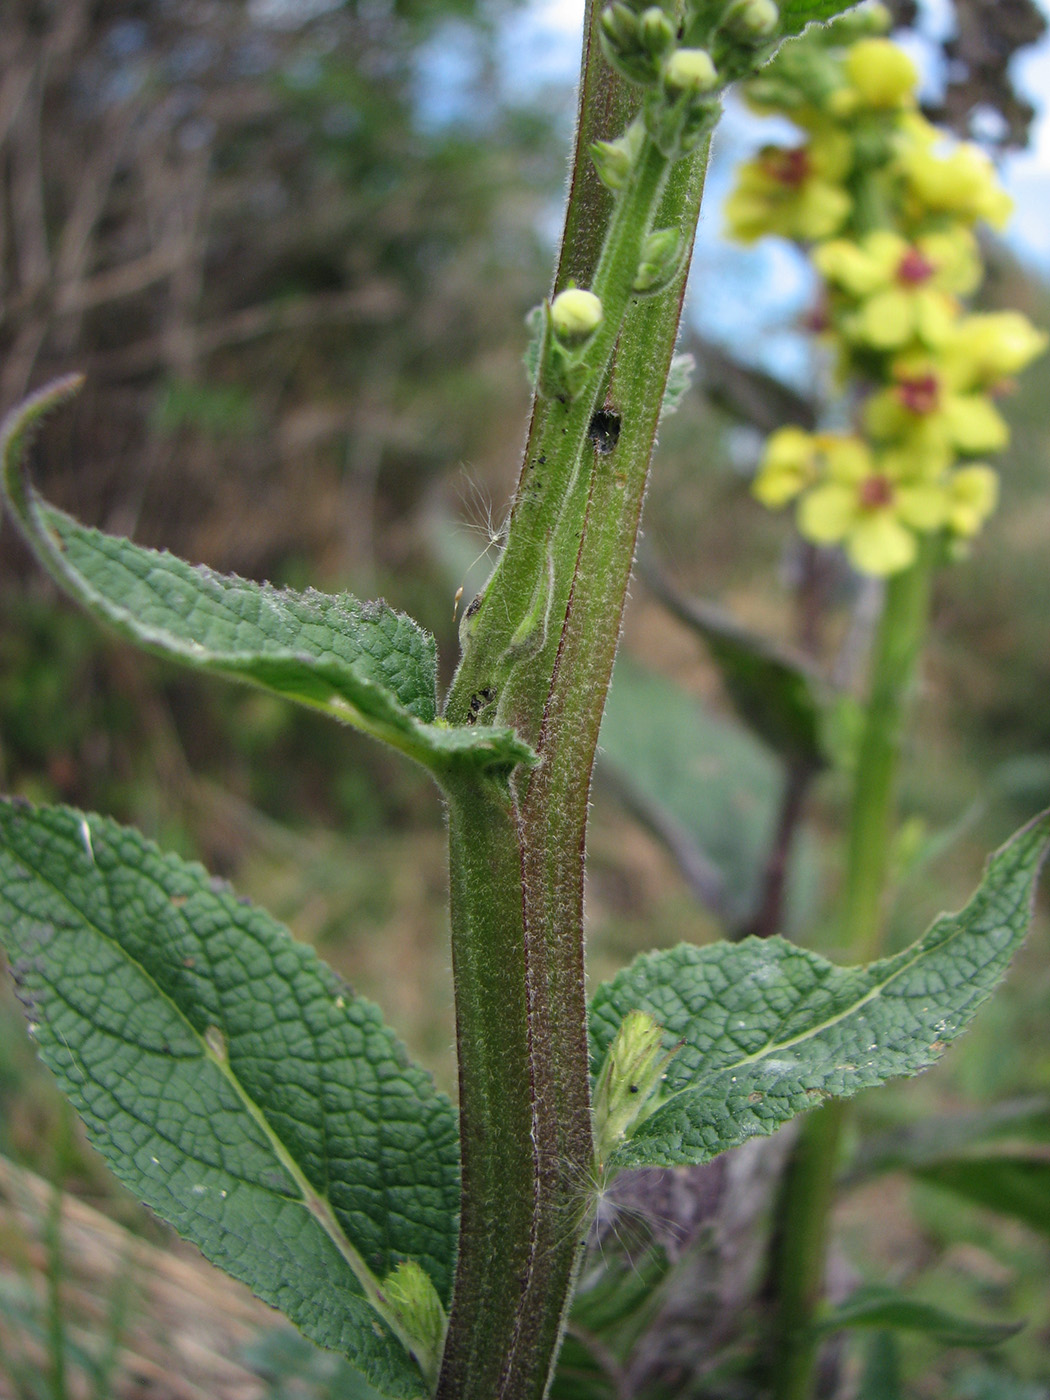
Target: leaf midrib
(771,1047)
(317,1204)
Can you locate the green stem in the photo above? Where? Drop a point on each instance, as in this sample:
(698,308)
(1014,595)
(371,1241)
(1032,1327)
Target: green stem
(510,622)
(517,849)
(901,632)
(808,1191)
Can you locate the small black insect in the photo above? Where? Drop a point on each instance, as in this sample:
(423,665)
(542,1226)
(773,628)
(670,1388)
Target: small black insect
(604,431)
(478,701)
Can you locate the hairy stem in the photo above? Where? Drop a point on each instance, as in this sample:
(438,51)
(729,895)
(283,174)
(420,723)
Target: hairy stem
(517,856)
(808,1191)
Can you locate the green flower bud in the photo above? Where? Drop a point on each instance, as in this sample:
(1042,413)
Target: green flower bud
(622,43)
(619,26)
(659,260)
(412,1298)
(575,315)
(614,160)
(656,32)
(752,19)
(627,1089)
(690,71)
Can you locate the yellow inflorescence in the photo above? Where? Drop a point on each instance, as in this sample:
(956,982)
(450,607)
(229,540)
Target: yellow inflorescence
(886,210)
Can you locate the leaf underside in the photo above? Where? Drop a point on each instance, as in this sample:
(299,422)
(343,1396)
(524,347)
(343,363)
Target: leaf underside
(229,1078)
(362,663)
(766,1029)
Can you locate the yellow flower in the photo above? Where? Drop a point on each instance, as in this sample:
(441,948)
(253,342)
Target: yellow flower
(874,507)
(879,75)
(794,460)
(925,411)
(984,351)
(794,192)
(962,183)
(906,290)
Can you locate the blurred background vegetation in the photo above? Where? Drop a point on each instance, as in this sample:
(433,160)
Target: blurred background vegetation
(291,244)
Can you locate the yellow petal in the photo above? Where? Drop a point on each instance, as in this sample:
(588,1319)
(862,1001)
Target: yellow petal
(847,265)
(881,545)
(975,424)
(974,495)
(883,415)
(819,210)
(848,459)
(881,72)
(923,507)
(886,320)
(935,316)
(827,513)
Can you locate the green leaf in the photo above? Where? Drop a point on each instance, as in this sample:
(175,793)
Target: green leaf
(774,692)
(766,1029)
(229,1078)
(947,1136)
(885,1308)
(1011,1183)
(362,663)
(796,14)
(679,380)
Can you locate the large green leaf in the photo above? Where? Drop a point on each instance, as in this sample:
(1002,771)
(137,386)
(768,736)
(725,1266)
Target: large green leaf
(879,1307)
(762,1030)
(362,663)
(229,1078)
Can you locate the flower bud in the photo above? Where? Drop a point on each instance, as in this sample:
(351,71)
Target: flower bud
(614,160)
(659,261)
(620,32)
(575,315)
(628,1087)
(690,70)
(752,19)
(620,26)
(415,1303)
(656,32)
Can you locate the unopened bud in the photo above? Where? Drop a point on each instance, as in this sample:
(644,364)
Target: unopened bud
(656,32)
(659,261)
(575,315)
(752,19)
(690,70)
(614,160)
(620,26)
(413,1299)
(627,1091)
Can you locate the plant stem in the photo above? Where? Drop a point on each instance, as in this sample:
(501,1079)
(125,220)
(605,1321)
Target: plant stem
(808,1190)
(551,497)
(517,848)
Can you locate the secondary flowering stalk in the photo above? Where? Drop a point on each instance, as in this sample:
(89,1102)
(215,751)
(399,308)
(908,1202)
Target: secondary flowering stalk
(886,214)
